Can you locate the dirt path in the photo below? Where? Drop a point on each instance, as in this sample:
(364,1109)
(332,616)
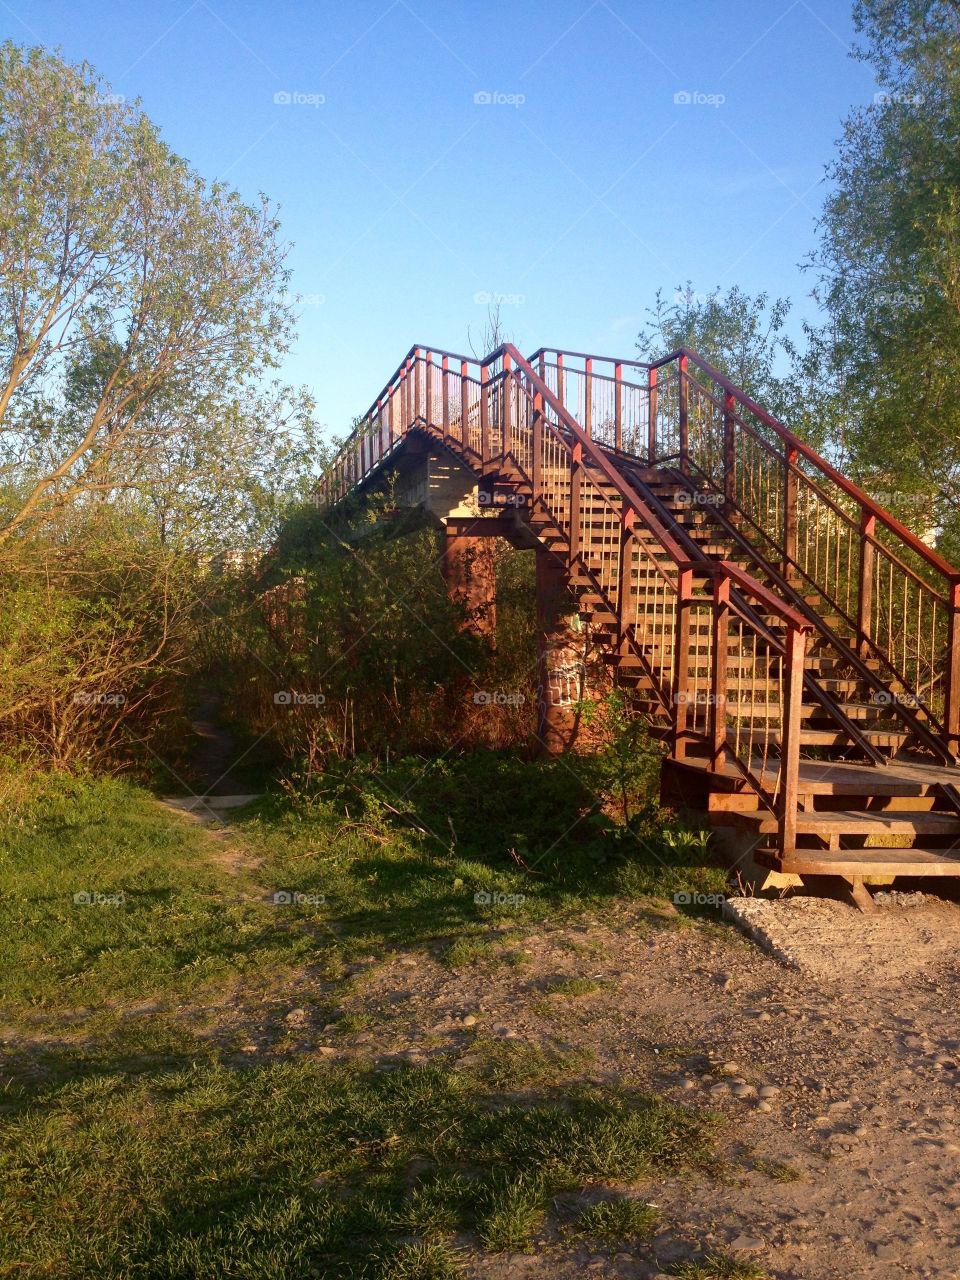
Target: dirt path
(842,1093)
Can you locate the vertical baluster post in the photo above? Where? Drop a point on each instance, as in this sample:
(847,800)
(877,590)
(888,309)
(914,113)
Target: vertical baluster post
(951,691)
(506,416)
(683,393)
(868,524)
(681,662)
(618,406)
(718,674)
(588,396)
(652,416)
(729,449)
(790,736)
(445,393)
(484,415)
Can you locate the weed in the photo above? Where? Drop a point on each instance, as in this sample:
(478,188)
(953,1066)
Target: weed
(612,1222)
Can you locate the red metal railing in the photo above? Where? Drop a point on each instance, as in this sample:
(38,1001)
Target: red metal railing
(897,599)
(505,414)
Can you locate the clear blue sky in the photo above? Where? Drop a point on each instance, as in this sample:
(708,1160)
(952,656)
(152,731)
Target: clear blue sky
(577,191)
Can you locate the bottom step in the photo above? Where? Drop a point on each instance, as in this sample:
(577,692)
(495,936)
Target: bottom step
(862,862)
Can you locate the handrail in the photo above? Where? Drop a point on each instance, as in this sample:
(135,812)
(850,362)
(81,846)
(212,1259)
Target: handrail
(852,490)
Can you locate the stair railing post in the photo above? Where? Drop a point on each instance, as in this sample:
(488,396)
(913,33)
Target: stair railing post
(588,397)
(576,477)
(868,524)
(624,574)
(507,413)
(618,406)
(428,390)
(790,525)
(683,392)
(681,662)
(404,397)
(729,449)
(536,447)
(652,416)
(464,403)
(718,676)
(560,378)
(790,737)
(951,692)
(417,383)
(445,394)
(484,415)
(362,450)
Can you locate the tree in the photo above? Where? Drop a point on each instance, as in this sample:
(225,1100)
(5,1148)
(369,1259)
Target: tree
(889,259)
(740,335)
(140,307)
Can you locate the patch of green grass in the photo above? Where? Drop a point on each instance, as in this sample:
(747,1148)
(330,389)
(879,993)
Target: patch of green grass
(162,917)
(718,1267)
(511,1212)
(613,1222)
(466,951)
(778,1170)
(351,1023)
(573,987)
(421,1261)
(280,1169)
(509,1065)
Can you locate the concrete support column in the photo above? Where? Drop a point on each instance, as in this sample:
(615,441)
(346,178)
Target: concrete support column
(469,566)
(559,657)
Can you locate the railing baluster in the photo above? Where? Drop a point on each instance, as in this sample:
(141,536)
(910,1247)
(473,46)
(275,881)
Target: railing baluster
(652,410)
(865,584)
(951,693)
(683,391)
(484,415)
(618,406)
(718,675)
(681,662)
(445,393)
(507,414)
(588,397)
(790,736)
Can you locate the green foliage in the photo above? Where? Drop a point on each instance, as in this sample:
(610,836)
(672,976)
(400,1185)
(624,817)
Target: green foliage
(718,1267)
(889,267)
(141,312)
(738,334)
(613,1222)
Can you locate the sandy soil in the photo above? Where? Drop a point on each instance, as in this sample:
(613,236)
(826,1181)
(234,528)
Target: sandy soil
(844,1067)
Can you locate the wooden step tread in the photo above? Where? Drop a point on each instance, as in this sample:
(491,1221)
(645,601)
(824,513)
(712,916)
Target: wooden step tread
(850,822)
(862,862)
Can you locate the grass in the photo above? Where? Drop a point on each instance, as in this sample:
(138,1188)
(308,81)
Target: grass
(614,1222)
(278,1170)
(134,1147)
(718,1267)
(573,987)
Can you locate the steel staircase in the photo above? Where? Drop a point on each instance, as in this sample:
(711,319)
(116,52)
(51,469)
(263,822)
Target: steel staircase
(793,644)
